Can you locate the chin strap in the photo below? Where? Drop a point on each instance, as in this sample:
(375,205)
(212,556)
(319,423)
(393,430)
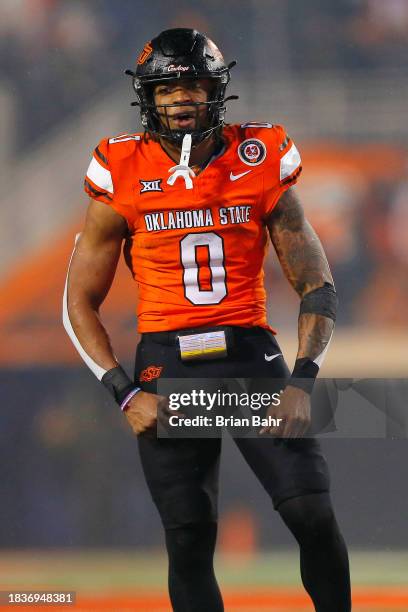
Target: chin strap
(183,170)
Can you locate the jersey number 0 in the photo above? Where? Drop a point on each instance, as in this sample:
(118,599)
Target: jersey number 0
(188,250)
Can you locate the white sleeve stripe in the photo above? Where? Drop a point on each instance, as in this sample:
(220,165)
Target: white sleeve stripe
(100,176)
(289,162)
(319,359)
(92,365)
(124,138)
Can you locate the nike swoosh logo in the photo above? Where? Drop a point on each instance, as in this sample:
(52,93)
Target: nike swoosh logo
(270,357)
(235,177)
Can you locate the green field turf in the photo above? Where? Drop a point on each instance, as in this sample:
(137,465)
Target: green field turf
(107,573)
(107,570)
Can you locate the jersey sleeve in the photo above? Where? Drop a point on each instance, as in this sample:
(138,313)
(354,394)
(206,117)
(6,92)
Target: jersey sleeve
(98,180)
(283,171)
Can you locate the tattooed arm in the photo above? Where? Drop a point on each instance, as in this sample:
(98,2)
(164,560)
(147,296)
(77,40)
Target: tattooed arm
(305,265)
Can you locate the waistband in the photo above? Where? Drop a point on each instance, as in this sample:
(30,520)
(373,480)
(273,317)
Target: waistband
(170,337)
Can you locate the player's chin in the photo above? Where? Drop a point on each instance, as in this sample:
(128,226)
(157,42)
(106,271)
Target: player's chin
(185,125)
(189,124)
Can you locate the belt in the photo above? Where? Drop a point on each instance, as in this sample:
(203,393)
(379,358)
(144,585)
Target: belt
(170,337)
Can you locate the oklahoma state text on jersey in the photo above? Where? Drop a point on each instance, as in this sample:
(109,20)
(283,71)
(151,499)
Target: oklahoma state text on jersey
(197,255)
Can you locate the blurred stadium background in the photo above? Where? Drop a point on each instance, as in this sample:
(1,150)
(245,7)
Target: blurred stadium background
(75,513)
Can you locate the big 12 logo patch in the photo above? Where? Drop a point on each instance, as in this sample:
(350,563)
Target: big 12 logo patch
(154,185)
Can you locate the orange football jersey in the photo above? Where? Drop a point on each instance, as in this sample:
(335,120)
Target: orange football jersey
(197,255)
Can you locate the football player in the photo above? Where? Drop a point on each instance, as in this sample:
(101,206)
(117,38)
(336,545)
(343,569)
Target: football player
(194,201)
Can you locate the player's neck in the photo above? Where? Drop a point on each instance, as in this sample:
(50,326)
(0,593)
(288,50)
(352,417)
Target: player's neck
(199,155)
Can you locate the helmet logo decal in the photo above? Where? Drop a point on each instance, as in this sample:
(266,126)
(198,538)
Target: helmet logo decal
(145,54)
(252,151)
(173,68)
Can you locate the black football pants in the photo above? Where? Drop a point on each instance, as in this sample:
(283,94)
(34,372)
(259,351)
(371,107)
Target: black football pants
(182,476)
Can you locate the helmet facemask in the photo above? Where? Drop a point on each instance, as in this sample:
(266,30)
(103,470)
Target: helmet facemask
(156,118)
